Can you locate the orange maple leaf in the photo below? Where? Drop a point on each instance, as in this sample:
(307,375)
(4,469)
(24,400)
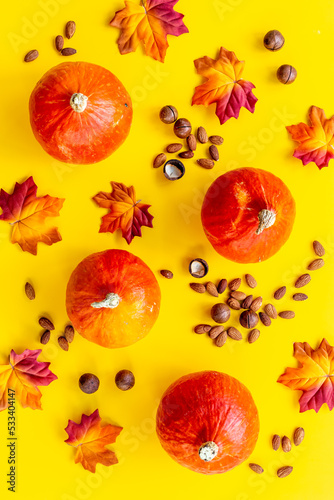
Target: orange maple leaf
(314,376)
(149,22)
(26,214)
(90,439)
(224,85)
(23,374)
(126,213)
(316,141)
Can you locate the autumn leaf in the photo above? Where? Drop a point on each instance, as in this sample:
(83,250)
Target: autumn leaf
(125,212)
(149,22)
(224,85)
(90,439)
(26,214)
(24,374)
(314,376)
(316,141)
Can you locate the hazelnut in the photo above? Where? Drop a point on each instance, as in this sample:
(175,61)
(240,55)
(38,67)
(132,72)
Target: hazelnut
(286,74)
(273,40)
(248,319)
(220,313)
(182,128)
(125,380)
(168,114)
(89,383)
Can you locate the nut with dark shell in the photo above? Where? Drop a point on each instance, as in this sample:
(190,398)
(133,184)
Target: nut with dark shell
(248,319)
(125,380)
(286,74)
(182,128)
(198,268)
(168,114)
(174,170)
(89,383)
(273,40)
(220,313)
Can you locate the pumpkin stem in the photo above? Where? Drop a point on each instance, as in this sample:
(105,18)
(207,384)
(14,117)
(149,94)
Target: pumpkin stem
(111,301)
(266,219)
(208,451)
(78,102)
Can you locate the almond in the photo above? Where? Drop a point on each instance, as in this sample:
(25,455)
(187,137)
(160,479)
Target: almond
(186,155)
(276,442)
(233,304)
(166,274)
(253,335)
(234,284)
(31,55)
(256,304)
(29,290)
(318,248)
(238,295)
(234,334)
(68,51)
(247,302)
(286,444)
(298,436)
(59,43)
(300,296)
(286,314)
(46,323)
(159,160)
(212,289)
(63,343)
(202,136)
(70,29)
(216,139)
(284,471)
(303,280)
(221,339)
(197,287)
(256,468)
(316,264)
(174,147)
(280,292)
(214,153)
(271,311)
(222,285)
(206,163)
(215,331)
(45,337)
(202,328)
(69,333)
(192,143)
(250,280)
(265,319)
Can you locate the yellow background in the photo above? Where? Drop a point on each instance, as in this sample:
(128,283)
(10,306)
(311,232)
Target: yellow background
(45,468)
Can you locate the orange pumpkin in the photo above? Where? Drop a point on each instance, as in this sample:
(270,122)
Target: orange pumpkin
(113,298)
(248,214)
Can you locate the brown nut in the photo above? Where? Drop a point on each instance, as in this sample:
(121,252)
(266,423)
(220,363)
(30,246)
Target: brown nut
(166,274)
(286,74)
(168,114)
(273,40)
(70,29)
(125,380)
(182,128)
(191,142)
(253,335)
(220,313)
(247,302)
(89,383)
(202,328)
(234,284)
(59,43)
(159,160)
(202,136)
(222,285)
(248,319)
(265,319)
(31,55)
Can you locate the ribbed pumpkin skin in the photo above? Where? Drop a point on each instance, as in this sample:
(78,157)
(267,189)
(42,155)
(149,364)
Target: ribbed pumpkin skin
(208,406)
(89,136)
(120,272)
(230,214)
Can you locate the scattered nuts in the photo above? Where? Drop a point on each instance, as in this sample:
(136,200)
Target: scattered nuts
(216,139)
(284,471)
(191,141)
(174,170)
(253,335)
(286,74)
(202,136)
(168,114)
(276,442)
(234,284)
(182,128)
(45,337)
(206,163)
(31,56)
(280,292)
(222,285)
(316,264)
(286,314)
(318,248)
(238,295)
(29,291)
(298,436)
(198,268)
(202,329)
(70,29)
(68,51)
(273,40)
(46,323)
(234,334)
(265,319)
(247,302)
(215,331)
(299,296)
(248,319)
(233,304)
(59,43)
(303,280)
(166,274)
(256,468)
(174,147)
(221,339)
(220,313)
(125,380)
(63,343)
(212,289)
(69,333)
(159,160)
(286,444)
(89,383)
(197,287)
(271,311)
(250,280)
(186,154)
(256,304)
(214,153)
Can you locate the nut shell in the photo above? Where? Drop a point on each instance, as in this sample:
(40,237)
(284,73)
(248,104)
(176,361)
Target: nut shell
(198,268)
(174,170)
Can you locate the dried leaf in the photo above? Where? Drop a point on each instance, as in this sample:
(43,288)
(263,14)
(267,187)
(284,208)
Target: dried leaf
(24,374)
(314,376)
(26,214)
(125,212)
(224,85)
(316,141)
(90,439)
(149,22)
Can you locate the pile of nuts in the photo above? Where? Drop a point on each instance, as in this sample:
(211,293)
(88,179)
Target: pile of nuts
(70,29)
